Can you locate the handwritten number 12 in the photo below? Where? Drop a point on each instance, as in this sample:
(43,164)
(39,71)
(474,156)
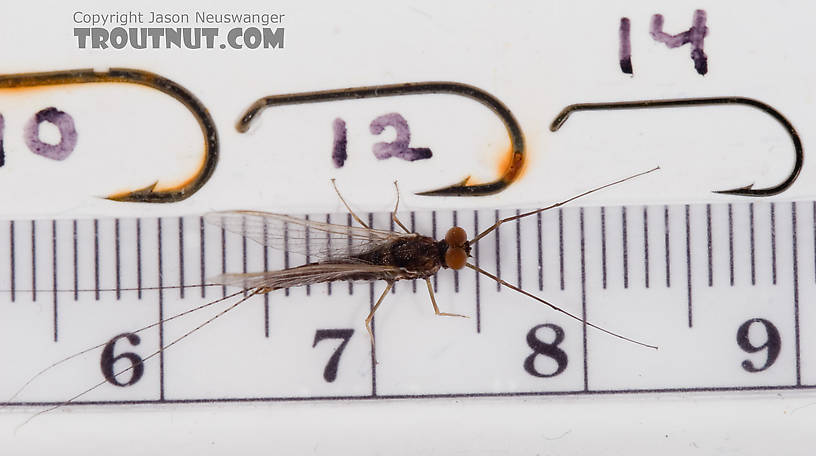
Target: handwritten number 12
(399,147)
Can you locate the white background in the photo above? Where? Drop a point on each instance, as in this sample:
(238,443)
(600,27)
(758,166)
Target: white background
(536,58)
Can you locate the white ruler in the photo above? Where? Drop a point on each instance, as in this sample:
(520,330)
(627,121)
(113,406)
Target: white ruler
(722,289)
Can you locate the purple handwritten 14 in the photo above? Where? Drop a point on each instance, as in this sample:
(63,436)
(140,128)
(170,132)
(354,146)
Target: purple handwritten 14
(694,36)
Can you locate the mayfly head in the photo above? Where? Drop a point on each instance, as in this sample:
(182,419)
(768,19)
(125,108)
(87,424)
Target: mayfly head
(458,248)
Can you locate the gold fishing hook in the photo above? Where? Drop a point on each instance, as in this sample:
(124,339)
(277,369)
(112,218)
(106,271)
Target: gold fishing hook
(747,190)
(415,88)
(147,194)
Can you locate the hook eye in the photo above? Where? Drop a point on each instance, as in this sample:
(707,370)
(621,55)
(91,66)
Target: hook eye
(415,88)
(747,190)
(147,194)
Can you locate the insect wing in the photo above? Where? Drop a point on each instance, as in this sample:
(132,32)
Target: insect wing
(322,241)
(308,275)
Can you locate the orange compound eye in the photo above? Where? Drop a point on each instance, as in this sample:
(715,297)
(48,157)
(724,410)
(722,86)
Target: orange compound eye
(455,258)
(456,237)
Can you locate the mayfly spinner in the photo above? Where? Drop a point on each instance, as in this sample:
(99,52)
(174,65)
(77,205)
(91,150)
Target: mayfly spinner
(363,253)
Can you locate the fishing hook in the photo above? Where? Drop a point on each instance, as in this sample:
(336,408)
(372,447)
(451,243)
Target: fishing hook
(747,190)
(154,81)
(415,88)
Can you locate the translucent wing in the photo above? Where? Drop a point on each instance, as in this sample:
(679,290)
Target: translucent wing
(320,240)
(309,274)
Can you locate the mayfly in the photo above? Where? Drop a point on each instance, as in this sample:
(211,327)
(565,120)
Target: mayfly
(367,254)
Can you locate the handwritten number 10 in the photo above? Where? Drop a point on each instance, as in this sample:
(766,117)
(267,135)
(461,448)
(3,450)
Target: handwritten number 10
(31,134)
(398,148)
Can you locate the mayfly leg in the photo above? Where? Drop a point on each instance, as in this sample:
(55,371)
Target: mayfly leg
(374,309)
(358,219)
(436,307)
(396,207)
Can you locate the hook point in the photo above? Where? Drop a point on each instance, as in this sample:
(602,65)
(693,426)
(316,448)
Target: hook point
(141,195)
(740,191)
(458,189)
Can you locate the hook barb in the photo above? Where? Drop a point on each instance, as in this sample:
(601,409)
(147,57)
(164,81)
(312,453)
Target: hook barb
(747,190)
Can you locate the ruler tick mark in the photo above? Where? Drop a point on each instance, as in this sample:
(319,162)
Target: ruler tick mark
(181,256)
(518,248)
(266,268)
(244,249)
(455,271)
(646,246)
(688,262)
(54,270)
(223,259)
(731,242)
(285,251)
(560,244)
(625,248)
(161,306)
(373,322)
(433,235)
(201,255)
(373,334)
(96,258)
(773,242)
(328,248)
(540,253)
(33,260)
(498,250)
(350,283)
(753,251)
(478,290)
(795,262)
(710,253)
(603,246)
(76,261)
(413,230)
(118,259)
(139,257)
(11,259)
(391,228)
(584,301)
(667,252)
